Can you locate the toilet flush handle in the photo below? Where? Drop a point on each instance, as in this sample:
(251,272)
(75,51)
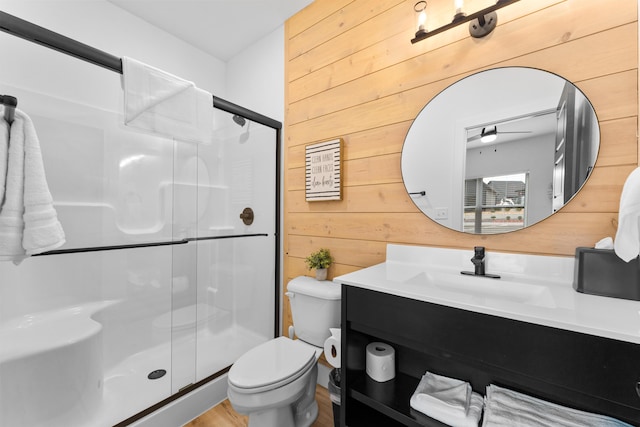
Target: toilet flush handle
(292,332)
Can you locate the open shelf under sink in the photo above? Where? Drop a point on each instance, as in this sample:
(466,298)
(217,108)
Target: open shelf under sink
(391,398)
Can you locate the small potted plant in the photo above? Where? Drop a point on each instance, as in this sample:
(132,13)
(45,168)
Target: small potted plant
(320,260)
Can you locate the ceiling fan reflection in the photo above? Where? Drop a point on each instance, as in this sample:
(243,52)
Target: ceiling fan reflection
(490,134)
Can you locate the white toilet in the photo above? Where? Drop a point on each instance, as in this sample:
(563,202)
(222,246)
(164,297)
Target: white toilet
(275,382)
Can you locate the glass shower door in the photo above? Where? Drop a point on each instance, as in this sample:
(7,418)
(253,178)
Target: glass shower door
(236,243)
(223,280)
(158,264)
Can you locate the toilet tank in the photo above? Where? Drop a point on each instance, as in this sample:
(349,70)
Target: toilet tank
(315,307)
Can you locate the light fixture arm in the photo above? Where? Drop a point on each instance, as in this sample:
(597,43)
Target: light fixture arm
(481,22)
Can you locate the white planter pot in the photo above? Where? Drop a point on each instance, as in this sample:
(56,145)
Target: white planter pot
(321,274)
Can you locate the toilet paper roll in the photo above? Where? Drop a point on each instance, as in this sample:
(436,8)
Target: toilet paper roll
(332,348)
(381,361)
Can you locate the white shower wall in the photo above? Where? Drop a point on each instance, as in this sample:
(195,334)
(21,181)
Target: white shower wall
(190,308)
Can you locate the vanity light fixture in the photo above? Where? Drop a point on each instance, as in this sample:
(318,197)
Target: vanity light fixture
(489,135)
(481,23)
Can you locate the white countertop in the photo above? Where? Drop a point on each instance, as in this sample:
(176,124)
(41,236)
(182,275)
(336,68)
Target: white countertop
(534,289)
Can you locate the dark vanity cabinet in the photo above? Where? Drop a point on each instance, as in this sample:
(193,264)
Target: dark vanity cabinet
(583,371)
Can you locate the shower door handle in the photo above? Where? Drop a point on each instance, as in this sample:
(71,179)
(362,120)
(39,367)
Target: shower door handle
(247,216)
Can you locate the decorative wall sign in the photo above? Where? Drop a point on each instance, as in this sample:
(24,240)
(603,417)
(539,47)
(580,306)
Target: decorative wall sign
(323,171)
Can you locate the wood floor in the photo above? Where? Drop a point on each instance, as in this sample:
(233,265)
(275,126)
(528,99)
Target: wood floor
(223,415)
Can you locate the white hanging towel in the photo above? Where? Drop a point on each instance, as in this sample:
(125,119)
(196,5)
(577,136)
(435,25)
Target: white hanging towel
(161,103)
(627,242)
(28,221)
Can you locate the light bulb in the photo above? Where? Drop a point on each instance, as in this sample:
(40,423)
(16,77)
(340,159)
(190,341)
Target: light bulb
(422,19)
(489,136)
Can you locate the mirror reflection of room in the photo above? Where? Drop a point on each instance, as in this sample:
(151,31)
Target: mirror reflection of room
(523,140)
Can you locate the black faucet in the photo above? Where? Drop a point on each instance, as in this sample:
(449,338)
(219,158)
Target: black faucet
(478,263)
(478,260)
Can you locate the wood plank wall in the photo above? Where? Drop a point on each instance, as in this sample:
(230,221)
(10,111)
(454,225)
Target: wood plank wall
(352,73)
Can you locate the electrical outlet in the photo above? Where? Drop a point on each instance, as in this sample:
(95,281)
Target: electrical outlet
(442,213)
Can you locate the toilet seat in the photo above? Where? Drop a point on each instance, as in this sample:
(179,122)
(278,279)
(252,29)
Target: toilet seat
(271,365)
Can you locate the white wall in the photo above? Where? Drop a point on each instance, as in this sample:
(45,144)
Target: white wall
(255,77)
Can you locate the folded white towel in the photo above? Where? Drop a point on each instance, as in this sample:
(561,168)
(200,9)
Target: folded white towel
(448,400)
(450,393)
(162,103)
(627,241)
(28,221)
(508,408)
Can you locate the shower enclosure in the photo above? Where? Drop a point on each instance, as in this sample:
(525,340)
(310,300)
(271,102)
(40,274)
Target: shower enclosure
(169,272)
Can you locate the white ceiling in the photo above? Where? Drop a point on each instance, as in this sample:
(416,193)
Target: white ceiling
(222,28)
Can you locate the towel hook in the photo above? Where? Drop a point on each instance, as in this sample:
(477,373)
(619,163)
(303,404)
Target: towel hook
(10,103)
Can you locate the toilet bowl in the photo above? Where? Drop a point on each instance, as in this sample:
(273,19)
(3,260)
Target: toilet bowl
(275,382)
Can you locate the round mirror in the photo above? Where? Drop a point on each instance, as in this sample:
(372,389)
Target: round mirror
(500,150)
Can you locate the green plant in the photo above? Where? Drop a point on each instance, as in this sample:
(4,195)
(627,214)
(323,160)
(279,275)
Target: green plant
(320,259)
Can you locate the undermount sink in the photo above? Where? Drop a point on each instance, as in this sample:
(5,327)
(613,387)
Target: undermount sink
(485,287)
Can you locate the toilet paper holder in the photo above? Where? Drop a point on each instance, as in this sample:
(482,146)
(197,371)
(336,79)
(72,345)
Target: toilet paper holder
(332,348)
